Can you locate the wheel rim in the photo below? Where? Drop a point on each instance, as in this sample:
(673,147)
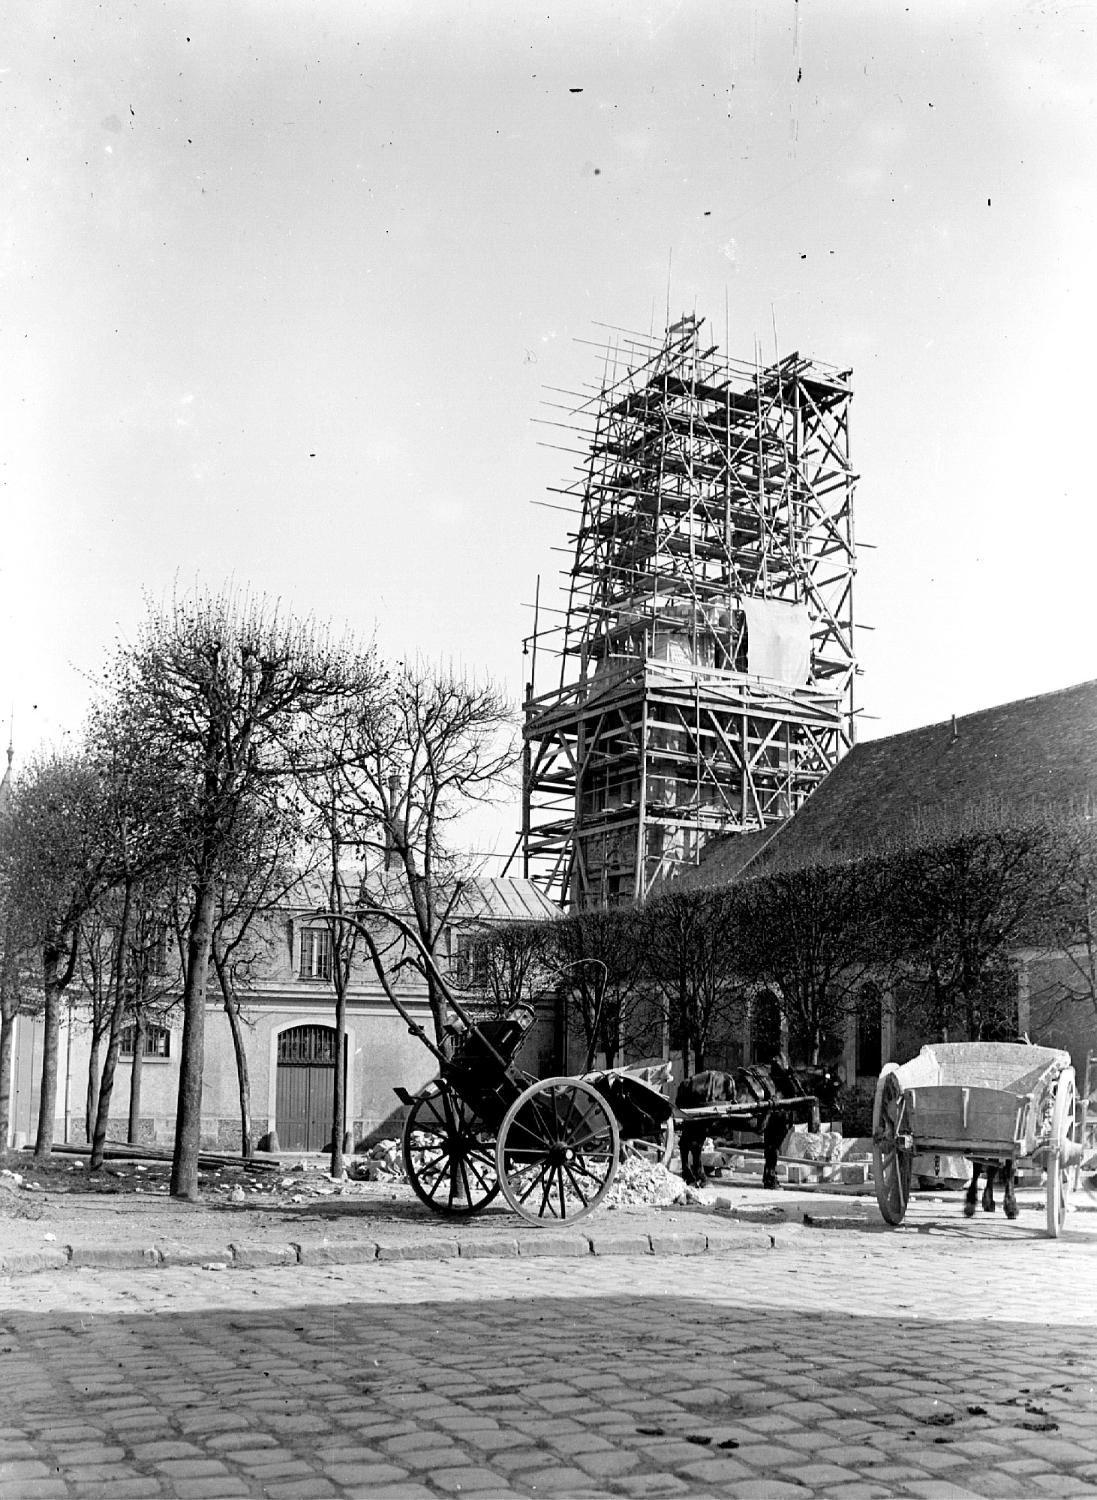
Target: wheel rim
(891,1157)
(557,1152)
(448,1154)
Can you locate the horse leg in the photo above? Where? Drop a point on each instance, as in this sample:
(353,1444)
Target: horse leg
(773,1133)
(972,1190)
(988,1192)
(691,1142)
(1009,1200)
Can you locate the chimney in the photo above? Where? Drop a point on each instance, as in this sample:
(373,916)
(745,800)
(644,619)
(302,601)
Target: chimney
(955,731)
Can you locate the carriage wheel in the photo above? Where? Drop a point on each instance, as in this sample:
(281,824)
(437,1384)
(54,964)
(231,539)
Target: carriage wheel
(557,1151)
(449,1154)
(658,1147)
(892,1146)
(1060,1159)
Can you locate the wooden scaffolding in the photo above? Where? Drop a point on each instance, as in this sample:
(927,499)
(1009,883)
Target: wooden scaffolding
(706,648)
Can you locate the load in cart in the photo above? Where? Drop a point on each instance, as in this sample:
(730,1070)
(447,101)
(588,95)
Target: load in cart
(483,1127)
(999,1102)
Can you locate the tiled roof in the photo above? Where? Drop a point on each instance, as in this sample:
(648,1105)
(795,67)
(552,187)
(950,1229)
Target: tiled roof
(723,858)
(1019,758)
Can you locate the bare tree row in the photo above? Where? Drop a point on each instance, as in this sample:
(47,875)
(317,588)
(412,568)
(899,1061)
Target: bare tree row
(938,916)
(236,758)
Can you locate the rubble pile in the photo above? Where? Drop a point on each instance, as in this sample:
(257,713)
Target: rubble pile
(383,1162)
(641,1183)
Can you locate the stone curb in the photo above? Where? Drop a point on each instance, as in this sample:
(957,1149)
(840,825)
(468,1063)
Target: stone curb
(728,1239)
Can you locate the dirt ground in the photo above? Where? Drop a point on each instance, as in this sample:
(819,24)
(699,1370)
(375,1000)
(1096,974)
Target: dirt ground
(60,1203)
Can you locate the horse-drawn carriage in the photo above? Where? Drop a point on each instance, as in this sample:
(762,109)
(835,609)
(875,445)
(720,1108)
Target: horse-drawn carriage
(551,1146)
(994,1102)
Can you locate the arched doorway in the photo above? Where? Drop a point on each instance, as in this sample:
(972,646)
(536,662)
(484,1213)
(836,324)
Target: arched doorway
(305,1089)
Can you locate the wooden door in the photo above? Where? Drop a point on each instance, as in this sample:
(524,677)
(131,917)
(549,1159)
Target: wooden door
(305,1088)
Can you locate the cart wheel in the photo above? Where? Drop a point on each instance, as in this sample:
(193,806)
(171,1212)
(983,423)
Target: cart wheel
(656,1148)
(557,1151)
(892,1146)
(449,1153)
(1060,1163)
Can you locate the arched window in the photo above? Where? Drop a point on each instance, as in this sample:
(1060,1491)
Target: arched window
(869,1031)
(311,1045)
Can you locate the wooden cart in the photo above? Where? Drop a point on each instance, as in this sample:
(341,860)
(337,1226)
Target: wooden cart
(985,1100)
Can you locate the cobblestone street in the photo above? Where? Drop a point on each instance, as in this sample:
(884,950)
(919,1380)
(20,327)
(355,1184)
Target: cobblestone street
(961,1359)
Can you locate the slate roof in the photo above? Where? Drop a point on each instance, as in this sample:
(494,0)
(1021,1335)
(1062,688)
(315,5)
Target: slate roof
(1019,757)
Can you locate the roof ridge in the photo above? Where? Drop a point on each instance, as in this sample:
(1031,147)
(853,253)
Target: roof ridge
(975,713)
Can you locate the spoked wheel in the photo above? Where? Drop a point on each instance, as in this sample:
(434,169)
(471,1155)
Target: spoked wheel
(892,1146)
(449,1153)
(557,1151)
(657,1148)
(1060,1156)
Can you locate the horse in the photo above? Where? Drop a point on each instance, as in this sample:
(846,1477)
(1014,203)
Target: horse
(764,1086)
(991,1168)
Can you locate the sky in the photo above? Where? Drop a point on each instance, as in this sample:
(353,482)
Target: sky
(284,290)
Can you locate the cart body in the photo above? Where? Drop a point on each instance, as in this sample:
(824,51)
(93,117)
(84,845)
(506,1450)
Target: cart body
(992,1101)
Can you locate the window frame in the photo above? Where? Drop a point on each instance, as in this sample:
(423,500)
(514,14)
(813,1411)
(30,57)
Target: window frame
(314,960)
(156,1046)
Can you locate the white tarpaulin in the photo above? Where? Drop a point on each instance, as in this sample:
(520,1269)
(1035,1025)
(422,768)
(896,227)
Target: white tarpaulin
(778,640)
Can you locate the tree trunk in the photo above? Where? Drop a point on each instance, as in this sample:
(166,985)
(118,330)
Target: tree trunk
(133,1127)
(114,1041)
(338,1103)
(243,1077)
(7,1032)
(188,1117)
(91,1098)
(47,1099)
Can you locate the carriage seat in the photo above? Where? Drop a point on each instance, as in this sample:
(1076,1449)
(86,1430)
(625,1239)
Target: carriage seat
(505,1034)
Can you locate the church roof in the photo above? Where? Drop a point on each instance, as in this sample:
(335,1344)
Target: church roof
(1019,758)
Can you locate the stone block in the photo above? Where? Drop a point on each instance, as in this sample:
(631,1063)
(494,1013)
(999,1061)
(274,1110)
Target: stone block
(23,1262)
(695,1243)
(248,1255)
(553,1242)
(417,1250)
(327,1253)
(609,1243)
(113,1256)
(495,1247)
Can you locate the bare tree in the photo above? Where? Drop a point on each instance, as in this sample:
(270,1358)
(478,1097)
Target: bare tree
(55,865)
(812,937)
(691,947)
(94,967)
(16,958)
(961,897)
(505,963)
(437,745)
(154,993)
(257,877)
(599,957)
(1072,907)
(225,686)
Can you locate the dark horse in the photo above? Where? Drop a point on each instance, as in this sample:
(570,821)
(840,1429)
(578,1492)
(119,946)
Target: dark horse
(990,1170)
(764,1086)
